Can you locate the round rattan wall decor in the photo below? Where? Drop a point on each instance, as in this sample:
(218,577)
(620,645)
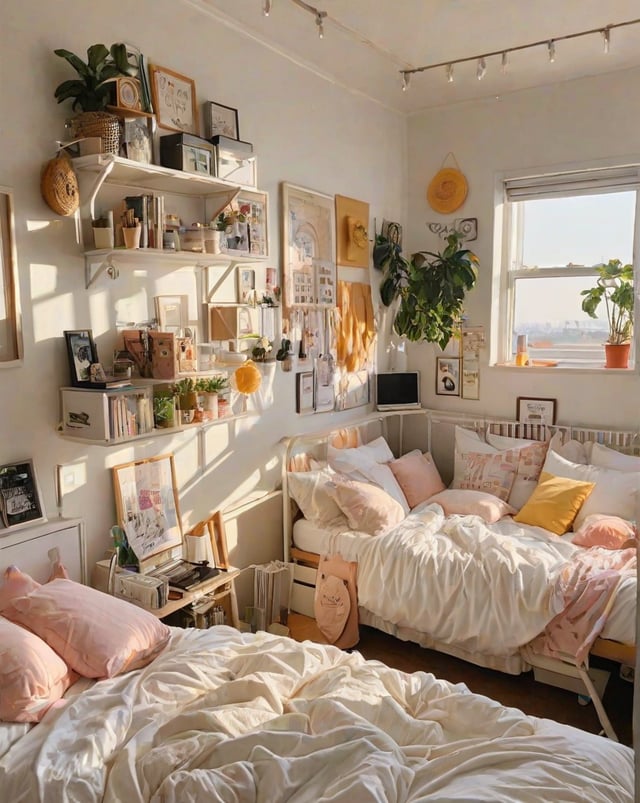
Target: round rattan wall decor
(447,190)
(59,185)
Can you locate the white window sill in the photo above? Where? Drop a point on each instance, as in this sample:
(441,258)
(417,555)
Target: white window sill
(572,366)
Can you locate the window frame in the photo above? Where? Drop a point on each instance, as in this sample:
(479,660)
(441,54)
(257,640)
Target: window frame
(9,282)
(559,181)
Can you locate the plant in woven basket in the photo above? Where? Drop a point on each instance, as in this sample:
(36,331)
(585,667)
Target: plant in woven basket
(91,91)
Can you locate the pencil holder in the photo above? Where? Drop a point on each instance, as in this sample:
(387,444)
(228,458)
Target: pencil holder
(131,236)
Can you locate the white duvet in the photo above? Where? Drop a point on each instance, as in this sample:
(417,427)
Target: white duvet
(483,589)
(221,716)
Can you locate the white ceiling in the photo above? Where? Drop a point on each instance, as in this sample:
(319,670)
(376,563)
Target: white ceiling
(368,42)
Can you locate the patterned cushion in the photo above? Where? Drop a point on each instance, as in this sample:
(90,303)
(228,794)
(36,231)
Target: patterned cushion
(491,473)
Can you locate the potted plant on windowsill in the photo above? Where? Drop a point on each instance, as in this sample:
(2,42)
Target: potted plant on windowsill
(614,286)
(429,289)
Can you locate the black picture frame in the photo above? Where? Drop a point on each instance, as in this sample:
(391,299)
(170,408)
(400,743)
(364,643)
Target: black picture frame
(447,376)
(535,410)
(305,393)
(82,353)
(19,495)
(220,119)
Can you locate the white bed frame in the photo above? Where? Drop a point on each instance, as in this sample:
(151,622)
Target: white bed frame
(433,431)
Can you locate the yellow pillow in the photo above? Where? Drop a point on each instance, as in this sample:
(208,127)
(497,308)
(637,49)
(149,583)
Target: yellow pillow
(555,503)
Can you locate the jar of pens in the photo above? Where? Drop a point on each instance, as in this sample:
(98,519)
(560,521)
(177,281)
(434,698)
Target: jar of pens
(131,229)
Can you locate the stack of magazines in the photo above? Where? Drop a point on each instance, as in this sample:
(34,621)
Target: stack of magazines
(204,613)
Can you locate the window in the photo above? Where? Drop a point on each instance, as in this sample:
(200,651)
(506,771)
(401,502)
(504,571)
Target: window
(10,322)
(558,228)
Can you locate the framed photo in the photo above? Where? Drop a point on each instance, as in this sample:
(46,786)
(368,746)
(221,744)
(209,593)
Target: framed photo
(220,119)
(309,267)
(82,352)
(19,495)
(172,313)
(136,138)
(174,100)
(246,285)
(531,410)
(304,392)
(254,207)
(447,376)
(147,507)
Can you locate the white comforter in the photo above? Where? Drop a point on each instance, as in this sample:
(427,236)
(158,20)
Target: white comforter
(486,590)
(221,716)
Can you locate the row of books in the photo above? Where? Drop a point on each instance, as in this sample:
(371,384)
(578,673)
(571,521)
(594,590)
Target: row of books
(149,210)
(129,415)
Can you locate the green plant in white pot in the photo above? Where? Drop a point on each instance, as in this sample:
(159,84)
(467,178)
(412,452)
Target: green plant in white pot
(210,387)
(614,287)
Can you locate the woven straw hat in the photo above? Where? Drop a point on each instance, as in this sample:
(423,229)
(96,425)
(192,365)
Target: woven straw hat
(59,185)
(447,190)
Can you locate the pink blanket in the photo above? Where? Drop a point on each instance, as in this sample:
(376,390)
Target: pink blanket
(583,594)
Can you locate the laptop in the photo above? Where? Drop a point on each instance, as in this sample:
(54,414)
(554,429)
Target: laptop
(398,390)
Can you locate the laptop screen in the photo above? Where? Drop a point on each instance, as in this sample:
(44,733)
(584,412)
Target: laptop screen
(398,389)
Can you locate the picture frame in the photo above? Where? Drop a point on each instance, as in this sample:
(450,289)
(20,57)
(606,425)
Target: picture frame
(304,392)
(147,506)
(82,353)
(137,132)
(246,285)
(19,495)
(309,267)
(220,119)
(447,376)
(533,410)
(255,206)
(172,313)
(352,226)
(174,100)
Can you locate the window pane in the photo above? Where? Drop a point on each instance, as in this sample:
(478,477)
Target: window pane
(548,311)
(583,230)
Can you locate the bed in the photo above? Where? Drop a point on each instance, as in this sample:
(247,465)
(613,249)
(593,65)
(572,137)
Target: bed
(480,586)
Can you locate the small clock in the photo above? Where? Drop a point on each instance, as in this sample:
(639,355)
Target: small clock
(128,93)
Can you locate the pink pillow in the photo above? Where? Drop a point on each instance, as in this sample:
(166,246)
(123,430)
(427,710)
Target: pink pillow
(97,635)
(368,508)
(473,503)
(418,476)
(610,532)
(15,584)
(32,676)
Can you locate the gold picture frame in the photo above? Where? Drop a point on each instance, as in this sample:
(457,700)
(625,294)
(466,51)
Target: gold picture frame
(352,229)
(174,100)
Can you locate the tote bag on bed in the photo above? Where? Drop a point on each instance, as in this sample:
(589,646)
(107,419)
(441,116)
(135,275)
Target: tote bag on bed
(336,601)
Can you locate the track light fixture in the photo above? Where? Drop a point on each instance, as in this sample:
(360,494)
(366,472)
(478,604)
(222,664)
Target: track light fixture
(320,15)
(266,7)
(480,58)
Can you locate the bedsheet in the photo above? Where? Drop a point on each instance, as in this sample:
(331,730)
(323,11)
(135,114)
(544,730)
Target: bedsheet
(225,716)
(481,590)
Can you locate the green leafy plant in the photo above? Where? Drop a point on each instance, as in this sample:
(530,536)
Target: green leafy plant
(212,384)
(163,409)
(183,386)
(614,286)
(429,289)
(91,91)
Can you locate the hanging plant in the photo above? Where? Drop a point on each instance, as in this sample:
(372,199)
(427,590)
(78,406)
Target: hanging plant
(430,288)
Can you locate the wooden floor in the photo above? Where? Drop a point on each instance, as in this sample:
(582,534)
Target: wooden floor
(518,691)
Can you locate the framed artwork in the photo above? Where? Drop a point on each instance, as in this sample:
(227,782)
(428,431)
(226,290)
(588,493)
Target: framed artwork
(352,228)
(174,100)
(325,373)
(82,352)
(304,392)
(172,313)
(253,206)
(147,507)
(136,138)
(19,495)
(536,411)
(220,119)
(309,268)
(246,285)
(353,389)
(447,376)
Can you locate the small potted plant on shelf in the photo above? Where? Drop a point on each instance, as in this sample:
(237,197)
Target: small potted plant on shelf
(164,410)
(284,355)
(91,92)
(187,398)
(262,349)
(614,286)
(211,387)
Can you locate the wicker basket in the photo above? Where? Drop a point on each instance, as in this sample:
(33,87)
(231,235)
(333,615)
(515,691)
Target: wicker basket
(59,185)
(98,124)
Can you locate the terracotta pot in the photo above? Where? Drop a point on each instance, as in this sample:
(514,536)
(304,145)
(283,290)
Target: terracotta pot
(617,356)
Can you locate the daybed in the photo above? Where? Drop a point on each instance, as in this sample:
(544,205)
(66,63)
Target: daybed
(456,570)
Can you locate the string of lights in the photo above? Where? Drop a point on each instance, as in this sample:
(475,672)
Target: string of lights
(481,58)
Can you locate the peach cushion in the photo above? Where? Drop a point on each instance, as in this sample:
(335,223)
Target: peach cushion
(418,476)
(368,508)
(473,503)
(610,532)
(97,635)
(32,676)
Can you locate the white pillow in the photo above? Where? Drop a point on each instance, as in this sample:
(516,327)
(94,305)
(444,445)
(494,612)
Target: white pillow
(604,457)
(614,493)
(573,450)
(309,491)
(367,463)
(529,465)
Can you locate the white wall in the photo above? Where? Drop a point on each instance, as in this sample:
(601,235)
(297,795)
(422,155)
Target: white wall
(304,130)
(579,121)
